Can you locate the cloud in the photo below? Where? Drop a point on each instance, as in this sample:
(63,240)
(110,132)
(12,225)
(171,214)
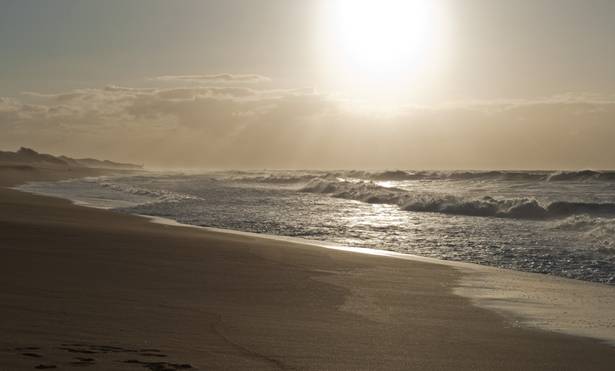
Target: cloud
(559,100)
(231,127)
(216,78)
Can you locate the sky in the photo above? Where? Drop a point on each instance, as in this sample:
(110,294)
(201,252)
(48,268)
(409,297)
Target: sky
(442,84)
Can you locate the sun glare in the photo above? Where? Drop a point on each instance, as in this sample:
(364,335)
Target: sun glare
(382,41)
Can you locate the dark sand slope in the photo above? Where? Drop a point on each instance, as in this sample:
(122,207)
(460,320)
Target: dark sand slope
(90,289)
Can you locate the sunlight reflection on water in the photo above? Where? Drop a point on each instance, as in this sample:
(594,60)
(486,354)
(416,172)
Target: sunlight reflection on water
(579,246)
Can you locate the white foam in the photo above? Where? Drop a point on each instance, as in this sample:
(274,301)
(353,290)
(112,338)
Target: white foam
(528,299)
(599,231)
(556,304)
(103,192)
(547,302)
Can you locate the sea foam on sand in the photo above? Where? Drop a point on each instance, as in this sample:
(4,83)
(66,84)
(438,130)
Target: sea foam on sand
(548,302)
(542,301)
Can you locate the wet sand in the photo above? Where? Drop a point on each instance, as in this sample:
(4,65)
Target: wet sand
(86,288)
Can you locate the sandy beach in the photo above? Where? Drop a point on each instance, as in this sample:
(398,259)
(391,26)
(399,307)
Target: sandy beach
(87,288)
(307,185)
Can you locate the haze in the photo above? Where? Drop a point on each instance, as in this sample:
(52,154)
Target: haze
(472,84)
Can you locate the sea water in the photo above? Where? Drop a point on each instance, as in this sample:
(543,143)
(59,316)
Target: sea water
(559,223)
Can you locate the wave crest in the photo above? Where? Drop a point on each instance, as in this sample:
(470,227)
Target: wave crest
(519,208)
(600,231)
(159,195)
(292,177)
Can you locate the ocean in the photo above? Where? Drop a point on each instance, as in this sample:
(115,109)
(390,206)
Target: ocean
(559,223)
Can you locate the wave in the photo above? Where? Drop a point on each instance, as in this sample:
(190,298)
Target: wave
(583,175)
(519,208)
(276,179)
(548,176)
(158,195)
(296,177)
(600,231)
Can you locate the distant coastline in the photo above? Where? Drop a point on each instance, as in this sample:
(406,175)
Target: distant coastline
(28,157)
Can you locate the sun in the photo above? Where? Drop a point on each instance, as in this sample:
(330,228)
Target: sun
(381,40)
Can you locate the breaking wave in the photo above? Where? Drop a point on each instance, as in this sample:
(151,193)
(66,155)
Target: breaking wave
(277,178)
(583,175)
(457,175)
(402,175)
(157,195)
(549,176)
(520,208)
(600,231)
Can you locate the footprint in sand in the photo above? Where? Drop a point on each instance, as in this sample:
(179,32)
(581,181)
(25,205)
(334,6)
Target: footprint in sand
(82,361)
(106,354)
(161,366)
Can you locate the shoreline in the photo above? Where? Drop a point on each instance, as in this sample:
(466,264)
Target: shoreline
(78,275)
(524,298)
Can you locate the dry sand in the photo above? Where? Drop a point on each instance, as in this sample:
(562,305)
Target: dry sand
(86,288)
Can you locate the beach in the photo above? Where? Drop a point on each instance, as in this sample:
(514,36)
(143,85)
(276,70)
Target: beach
(92,288)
